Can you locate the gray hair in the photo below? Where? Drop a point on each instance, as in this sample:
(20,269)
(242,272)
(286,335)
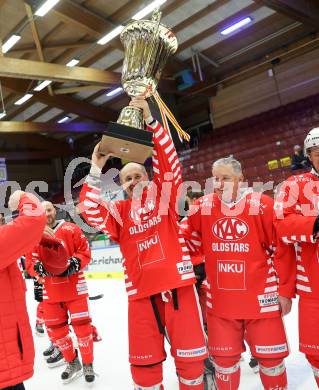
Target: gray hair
(236,165)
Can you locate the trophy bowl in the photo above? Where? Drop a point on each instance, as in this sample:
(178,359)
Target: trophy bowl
(147,46)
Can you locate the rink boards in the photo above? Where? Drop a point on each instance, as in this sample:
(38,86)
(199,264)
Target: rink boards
(106,263)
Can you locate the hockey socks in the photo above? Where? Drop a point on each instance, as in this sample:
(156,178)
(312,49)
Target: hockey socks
(314,361)
(66,347)
(191,384)
(273,374)
(147,377)
(86,348)
(227,371)
(85,341)
(190,374)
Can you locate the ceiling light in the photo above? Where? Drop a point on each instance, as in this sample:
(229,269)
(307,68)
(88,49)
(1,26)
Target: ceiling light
(148,9)
(64,119)
(73,62)
(236,26)
(139,15)
(42,85)
(24,98)
(10,42)
(46,7)
(112,34)
(115,91)
(2,114)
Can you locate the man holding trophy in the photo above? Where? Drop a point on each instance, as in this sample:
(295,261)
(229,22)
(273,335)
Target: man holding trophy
(159,276)
(158,271)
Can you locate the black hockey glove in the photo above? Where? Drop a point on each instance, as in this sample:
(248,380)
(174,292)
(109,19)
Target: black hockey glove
(200,273)
(38,291)
(73,268)
(40,270)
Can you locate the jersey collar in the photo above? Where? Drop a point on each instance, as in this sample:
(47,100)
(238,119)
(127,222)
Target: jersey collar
(58,224)
(243,192)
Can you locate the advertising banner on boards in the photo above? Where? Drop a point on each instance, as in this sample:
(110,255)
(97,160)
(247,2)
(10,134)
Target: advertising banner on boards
(105,263)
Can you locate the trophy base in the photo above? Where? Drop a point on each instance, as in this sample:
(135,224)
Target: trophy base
(126,142)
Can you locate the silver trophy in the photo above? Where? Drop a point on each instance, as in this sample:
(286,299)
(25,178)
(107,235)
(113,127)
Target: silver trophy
(147,46)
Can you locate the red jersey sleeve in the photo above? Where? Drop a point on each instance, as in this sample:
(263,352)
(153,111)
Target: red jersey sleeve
(103,215)
(285,266)
(23,233)
(291,225)
(166,165)
(283,257)
(82,248)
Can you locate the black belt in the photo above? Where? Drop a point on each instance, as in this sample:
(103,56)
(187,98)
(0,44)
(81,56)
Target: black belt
(160,325)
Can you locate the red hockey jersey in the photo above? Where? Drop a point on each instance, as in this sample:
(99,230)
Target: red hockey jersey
(197,256)
(68,288)
(238,243)
(155,253)
(297,207)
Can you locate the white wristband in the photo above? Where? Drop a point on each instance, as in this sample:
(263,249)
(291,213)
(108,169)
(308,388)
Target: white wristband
(149,120)
(95,170)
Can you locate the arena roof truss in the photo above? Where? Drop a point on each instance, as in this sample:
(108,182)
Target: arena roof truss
(71,30)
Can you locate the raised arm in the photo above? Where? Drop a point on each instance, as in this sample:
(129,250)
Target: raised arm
(97,212)
(166,165)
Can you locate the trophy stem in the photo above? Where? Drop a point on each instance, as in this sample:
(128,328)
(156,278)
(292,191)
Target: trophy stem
(132,117)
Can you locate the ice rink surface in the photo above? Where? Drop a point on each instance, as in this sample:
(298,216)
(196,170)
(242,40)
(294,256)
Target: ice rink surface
(110,317)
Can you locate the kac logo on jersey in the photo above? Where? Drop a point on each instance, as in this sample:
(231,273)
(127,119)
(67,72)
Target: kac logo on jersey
(230,229)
